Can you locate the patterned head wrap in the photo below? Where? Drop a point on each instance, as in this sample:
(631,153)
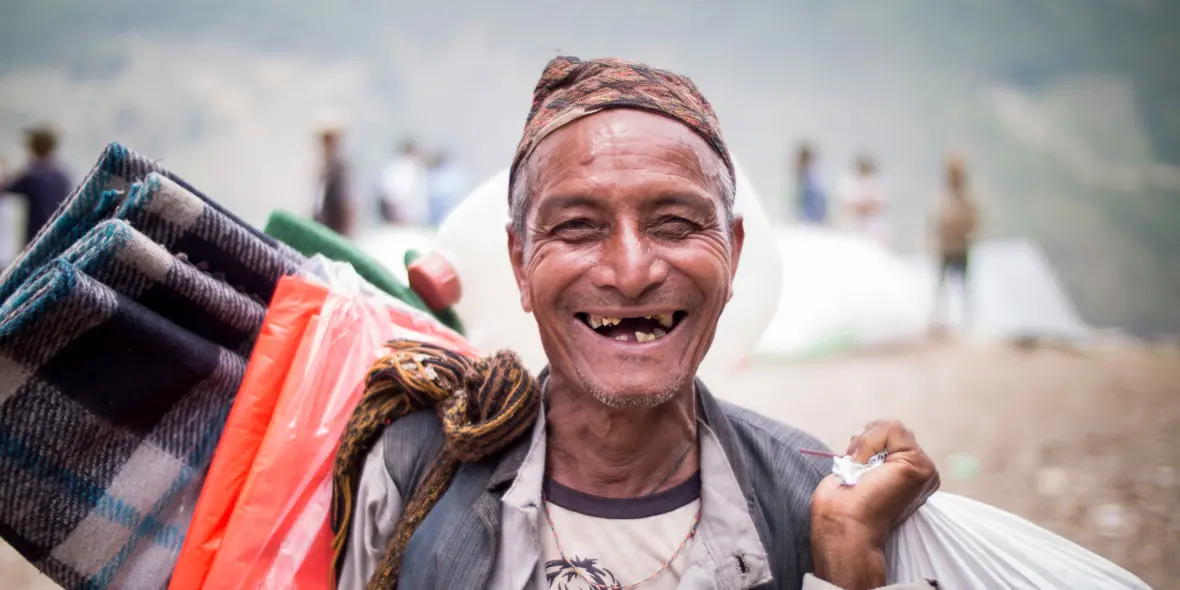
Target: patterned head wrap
(570,89)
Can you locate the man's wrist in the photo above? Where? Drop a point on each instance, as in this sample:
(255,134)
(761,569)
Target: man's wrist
(846,554)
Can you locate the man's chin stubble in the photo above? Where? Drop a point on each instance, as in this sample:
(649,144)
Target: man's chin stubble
(630,401)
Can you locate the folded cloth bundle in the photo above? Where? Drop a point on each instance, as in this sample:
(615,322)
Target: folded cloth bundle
(127,261)
(124,331)
(99,197)
(109,414)
(188,225)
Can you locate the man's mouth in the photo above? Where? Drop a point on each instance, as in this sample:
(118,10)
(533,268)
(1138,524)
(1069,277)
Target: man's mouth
(641,329)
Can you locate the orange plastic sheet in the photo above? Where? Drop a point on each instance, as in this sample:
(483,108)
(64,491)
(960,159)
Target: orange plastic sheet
(294,303)
(262,519)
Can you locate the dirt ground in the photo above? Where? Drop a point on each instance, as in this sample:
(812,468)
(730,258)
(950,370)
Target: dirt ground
(1082,442)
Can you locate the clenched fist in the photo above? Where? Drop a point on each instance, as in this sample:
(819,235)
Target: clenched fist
(849,524)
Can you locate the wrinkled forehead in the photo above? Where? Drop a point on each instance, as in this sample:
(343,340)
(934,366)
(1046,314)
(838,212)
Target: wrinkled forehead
(624,153)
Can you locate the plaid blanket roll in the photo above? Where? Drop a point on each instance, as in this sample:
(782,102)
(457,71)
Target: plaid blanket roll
(141,402)
(190,227)
(128,262)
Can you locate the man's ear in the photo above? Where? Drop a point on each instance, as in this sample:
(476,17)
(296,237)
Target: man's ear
(737,237)
(516,256)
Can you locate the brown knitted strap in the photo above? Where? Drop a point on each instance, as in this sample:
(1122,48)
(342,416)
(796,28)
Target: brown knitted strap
(483,404)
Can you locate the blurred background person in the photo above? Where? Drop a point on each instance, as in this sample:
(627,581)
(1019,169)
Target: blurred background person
(956,224)
(864,201)
(811,204)
(445,183)
(334,207)
(404,187)
(43,183)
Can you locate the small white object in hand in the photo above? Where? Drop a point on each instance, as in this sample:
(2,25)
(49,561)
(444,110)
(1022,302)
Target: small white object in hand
(850,471)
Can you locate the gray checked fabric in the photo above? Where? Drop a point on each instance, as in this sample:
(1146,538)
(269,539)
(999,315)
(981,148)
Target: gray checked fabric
(109,415)
(124,331)
(189,227)
(128,262)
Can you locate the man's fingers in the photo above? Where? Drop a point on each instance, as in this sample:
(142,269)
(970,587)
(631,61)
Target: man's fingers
(903,451)
(853,443)
(892,493)
(854,440)
(882,435)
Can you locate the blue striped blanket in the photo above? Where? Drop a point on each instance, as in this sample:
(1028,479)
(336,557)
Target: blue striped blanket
(124,332)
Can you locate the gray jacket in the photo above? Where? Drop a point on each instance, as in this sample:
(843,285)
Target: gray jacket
(754,533)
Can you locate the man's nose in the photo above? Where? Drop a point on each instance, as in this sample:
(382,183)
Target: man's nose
(629,264)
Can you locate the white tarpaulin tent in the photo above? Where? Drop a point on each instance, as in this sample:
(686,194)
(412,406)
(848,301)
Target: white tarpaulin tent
(1014,292)
(842,291)
(839,291)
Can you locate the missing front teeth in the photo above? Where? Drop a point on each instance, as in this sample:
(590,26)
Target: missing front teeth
(666,320)
(647,328)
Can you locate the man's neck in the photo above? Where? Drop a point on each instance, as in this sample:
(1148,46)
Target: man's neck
(618,453)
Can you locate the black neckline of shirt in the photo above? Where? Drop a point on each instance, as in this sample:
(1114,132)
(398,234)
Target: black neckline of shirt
(656,504)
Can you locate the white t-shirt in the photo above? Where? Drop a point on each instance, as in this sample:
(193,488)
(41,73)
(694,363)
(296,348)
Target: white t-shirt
(617,542)
(856,191)
(404,184)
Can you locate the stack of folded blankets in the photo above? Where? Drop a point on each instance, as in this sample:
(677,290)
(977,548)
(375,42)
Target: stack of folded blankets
(125,329)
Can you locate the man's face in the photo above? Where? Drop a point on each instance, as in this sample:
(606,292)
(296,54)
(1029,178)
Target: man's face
(626,262)
(330,143)
(956,177)
(804,159)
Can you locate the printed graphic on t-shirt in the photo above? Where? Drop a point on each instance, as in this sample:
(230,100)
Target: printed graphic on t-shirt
(610,543)
(581,574)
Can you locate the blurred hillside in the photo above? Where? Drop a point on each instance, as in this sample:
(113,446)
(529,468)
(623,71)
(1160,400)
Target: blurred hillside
(1066,108)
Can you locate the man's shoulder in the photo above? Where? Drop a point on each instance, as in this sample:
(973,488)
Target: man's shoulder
(55,170)
(775,434)
(411,442)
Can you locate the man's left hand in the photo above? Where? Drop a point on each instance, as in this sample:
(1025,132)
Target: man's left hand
(849,524)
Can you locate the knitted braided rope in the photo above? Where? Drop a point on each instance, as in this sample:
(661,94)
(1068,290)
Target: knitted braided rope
(484,405)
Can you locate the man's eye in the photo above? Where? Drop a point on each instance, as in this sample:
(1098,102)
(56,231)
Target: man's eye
(576,229)
(675,227)
(575,224)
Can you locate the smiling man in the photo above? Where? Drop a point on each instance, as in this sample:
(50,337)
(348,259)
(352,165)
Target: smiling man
(624,245)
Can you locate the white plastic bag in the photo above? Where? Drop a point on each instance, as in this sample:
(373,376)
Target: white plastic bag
(964,544)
